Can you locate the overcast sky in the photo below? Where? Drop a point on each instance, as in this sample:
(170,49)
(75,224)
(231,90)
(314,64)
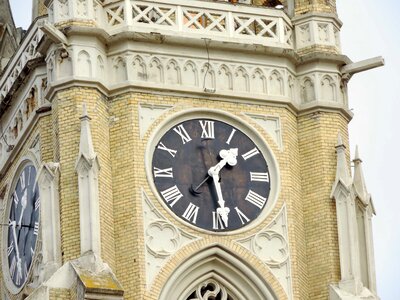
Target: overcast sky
(370,29)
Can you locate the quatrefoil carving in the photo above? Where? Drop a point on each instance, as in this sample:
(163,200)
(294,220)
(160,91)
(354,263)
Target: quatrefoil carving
(162,238)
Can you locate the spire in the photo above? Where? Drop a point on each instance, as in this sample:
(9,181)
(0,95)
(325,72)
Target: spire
(342,171)
(9,35)
(359,181)
(38,9)
(6,14)
(86,144)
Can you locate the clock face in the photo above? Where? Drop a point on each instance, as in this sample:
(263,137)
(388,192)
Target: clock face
(23,226)
(211,175)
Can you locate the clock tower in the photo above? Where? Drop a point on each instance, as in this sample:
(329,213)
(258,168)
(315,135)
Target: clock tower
(182,150)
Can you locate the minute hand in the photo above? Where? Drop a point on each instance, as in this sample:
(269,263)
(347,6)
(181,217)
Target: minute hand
(228,157)
(221,210)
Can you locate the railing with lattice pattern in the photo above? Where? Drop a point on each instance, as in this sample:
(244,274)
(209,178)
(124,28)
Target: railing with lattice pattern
(197,19)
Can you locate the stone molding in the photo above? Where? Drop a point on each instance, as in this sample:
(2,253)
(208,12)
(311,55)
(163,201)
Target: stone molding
(271,246)
(162,239)
(354,232)
(87,167)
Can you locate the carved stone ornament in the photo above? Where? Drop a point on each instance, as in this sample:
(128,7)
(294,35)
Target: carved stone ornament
(210,290)
(271,246)
(148,113)
(162,239)
(271,124)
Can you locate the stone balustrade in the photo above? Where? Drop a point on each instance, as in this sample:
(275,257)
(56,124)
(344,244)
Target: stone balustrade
(219,21)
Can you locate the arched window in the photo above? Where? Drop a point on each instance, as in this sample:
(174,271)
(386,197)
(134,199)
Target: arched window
(215,273)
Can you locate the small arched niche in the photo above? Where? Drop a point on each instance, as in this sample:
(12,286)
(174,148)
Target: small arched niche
(215,273)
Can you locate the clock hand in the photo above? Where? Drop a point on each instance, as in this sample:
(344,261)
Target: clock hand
(194,189)
(19,267)
(23,203)
(221,210)
(228,157)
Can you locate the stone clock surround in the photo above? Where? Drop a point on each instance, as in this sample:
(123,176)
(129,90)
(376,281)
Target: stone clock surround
(235,121)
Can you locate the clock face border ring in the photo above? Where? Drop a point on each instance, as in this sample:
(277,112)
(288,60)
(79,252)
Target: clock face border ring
(233,120)
(25,161)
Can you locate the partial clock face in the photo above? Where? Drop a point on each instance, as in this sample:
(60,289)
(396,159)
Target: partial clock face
(23,226)
(211,175)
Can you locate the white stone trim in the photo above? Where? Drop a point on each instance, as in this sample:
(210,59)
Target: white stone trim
(216,263)
(50,219)
(159,249)
(87,167)
(276,257)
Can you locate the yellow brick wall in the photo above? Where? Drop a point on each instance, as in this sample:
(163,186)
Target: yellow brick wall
(127,155)
(67,108)
(318,133)
(306,6)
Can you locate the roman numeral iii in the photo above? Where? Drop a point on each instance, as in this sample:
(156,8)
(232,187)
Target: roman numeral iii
(207,129)
(254,176)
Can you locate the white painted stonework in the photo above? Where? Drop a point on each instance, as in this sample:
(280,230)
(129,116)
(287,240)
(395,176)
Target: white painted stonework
(357,264)
(50,220)
(317,30)
(272,125)
(87,166)
(148,113)
(271,246)
(162,238)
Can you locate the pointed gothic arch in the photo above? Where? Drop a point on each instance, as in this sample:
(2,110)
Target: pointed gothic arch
(218,273)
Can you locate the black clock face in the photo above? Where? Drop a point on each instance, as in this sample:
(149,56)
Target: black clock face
(23,226)
(211,175)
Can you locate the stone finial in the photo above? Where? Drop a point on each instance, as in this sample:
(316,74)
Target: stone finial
(342,171)
(86,144)
(359,181)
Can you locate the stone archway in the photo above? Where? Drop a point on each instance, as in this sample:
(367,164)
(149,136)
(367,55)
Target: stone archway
(214,273)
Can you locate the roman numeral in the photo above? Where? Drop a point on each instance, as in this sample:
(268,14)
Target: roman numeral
(32,251)
(231,136)
(161,146)
(13,266)
(254,176)
(251,153)
(243,218)
(191,212)
(36,228)
(183,134)
(163,172)
(217,221)
(15,198)
(10,248)
(207,129)
(172,195)
(255,199)
(37,204)
(22,179)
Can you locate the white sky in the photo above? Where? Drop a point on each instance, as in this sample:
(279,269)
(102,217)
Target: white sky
(370,29)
